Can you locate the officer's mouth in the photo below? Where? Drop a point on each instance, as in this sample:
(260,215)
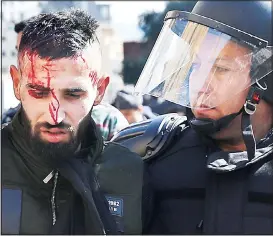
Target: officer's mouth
(204,111)
(54,135)
(204,107)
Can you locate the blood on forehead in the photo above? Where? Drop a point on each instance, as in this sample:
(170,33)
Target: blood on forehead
(31,66)
(93,74)
(40,71)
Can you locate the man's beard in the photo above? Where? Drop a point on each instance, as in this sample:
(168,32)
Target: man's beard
(51,153)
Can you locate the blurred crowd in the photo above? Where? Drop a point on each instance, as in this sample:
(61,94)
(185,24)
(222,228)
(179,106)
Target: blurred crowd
(120,108)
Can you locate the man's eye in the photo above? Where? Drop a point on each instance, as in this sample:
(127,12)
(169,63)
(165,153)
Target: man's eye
(73,95)
(37,93)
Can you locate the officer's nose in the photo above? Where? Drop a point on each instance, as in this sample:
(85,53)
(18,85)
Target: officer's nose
(56,112)
(206,88)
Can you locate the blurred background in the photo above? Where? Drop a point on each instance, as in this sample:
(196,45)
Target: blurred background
(127,32)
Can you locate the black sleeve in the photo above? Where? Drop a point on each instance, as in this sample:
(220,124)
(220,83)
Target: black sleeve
(147,201)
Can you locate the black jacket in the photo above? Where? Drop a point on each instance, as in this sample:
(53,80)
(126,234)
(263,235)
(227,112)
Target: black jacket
(99,192)
(201,190)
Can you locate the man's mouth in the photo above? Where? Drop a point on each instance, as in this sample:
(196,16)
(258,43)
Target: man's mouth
(56,131)
(54,135)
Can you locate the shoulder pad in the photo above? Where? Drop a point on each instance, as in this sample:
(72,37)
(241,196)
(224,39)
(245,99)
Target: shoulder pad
(149,137)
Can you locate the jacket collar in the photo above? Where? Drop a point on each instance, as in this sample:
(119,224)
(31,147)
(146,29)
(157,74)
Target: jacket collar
(90,143)
(220,161)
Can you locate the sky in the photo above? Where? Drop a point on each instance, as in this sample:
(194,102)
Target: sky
(125,16)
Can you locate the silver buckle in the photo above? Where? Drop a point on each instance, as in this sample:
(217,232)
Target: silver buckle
(250,111)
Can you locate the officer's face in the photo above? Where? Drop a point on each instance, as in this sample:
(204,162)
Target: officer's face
(225,77)
(57,94)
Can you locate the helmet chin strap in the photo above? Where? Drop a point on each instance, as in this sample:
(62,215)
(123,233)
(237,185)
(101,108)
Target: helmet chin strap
(207,126)
(253,99)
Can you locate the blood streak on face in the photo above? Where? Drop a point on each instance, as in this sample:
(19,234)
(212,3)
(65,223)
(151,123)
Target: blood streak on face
(32,71)
(48,64)
(33,94)
(52,109)
(84,61)
(32,76)
(94,77)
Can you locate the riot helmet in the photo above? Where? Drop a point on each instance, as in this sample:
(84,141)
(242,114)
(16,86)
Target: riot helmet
(206,57)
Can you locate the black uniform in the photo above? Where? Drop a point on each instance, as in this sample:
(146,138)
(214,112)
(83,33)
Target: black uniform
(196,193)
(198,187)
(74,199)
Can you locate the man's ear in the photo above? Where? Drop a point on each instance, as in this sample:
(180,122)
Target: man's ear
(102,85)
(15,75)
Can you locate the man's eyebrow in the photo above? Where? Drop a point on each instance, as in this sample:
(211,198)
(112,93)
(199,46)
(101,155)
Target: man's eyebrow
(38,87)
(75,90)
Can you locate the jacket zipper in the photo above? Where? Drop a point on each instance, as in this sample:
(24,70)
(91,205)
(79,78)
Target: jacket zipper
(53,198)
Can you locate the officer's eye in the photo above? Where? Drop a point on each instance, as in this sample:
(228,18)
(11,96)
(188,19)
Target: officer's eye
(221,69)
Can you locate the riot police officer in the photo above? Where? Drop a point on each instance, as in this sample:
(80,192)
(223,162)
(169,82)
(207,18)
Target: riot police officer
(212,171)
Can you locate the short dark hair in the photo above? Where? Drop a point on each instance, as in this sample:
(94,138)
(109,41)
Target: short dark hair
(19,27)
(58,35)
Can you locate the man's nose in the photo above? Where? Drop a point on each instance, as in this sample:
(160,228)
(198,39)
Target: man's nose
(56,113)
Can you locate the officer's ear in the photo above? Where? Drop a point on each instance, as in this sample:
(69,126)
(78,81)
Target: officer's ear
(15,75)
(101,87)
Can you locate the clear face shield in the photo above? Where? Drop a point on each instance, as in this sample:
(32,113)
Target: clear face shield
(200,67)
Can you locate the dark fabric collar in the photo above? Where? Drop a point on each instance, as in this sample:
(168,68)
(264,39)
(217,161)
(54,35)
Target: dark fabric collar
(220,161)
(76,172)
(90,141)
(36,167)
